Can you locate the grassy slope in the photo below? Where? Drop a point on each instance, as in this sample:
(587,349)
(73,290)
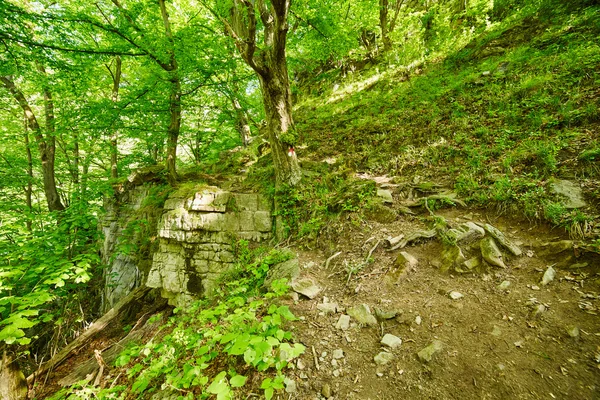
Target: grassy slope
(514,109)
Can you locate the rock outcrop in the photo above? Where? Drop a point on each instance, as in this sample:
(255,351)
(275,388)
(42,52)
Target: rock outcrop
(181,248)
(197,233)
(127,250)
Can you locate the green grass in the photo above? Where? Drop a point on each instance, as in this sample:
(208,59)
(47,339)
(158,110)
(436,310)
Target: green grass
(496,125)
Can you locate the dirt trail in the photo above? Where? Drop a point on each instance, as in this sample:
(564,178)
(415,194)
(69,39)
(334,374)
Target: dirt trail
(524,341)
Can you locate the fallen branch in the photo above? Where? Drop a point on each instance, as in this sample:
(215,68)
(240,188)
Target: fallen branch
(316,358)
(331,258)
(113,314)
(371,252)
(110,354)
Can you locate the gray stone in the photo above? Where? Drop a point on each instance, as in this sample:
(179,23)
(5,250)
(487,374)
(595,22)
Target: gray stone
(195,233)
(553,248)
(326,390)
(405,259)
(454,295)
(570,191)
(246,221)
(209,200)
(263,221)
(385,195)
(328,308)
(383,314)
(343,322)
(174,203)
(362,314)
(539,310)
(383,358)
(452,256)
(264,203)
(491,253)
(246,202)
(290,385)
(289,270)
(504,285)
(472,263)
(426,354)
(496,331)
(548,276)
(381,213)
(306,287)
(503,240)
(338,354)
(391,341)
(231,222)
(573,332)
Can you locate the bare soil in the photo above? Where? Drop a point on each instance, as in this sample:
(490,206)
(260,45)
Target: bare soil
(497,344)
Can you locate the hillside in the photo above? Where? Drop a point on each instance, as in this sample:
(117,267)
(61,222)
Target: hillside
(498,122)
(309,200)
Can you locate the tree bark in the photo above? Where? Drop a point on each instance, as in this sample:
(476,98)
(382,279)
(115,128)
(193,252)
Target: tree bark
(46,145)
(29,186)
(278,113)
(270,64)
(174,97)
(174,125)
(13,384)
(242,121)
(386,24)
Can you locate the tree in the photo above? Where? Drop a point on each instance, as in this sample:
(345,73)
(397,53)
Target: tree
(387,22)
(269,62)
(46,142)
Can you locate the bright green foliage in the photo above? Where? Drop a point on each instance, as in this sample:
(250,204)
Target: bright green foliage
(211,346)
(307,208)
(41,267)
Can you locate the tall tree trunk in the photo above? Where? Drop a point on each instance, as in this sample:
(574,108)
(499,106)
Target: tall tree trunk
(174,125)
(386,24)
(114,152)
(383,25)
(29,186)
(13,384)
(270,64)
(278,113)
(49,168)
(242,121)
(46,146)
(174,97)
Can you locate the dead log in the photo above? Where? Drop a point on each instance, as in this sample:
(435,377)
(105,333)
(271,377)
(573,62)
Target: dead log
(121,308)
(94,367)
(13,385)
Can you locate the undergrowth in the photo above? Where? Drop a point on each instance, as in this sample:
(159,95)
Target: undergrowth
(232,343)
(499,120)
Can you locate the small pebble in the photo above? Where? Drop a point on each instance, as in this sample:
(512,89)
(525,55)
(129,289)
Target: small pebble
(454,295)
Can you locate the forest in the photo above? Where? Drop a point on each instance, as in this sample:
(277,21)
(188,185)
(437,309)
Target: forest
(349,199)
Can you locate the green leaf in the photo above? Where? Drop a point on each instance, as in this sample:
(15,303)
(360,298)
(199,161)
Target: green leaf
(220,387)
(238,381)
(269,393)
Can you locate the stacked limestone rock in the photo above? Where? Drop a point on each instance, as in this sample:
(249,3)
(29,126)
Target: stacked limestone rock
(196,236)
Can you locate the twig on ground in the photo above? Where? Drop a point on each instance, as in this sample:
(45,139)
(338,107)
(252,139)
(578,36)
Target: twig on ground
(371,252)
(316,358)
(331,258)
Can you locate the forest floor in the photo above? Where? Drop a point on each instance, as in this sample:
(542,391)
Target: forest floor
(523,340)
